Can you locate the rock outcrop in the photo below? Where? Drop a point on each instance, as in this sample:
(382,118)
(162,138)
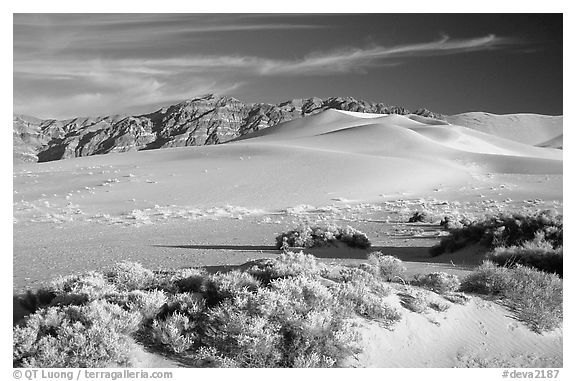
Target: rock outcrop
(199,121)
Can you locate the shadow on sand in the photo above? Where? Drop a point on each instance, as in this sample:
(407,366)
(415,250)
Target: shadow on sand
(338,251)
(223,247)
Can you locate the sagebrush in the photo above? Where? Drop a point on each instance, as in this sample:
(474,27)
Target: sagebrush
(319,236)
(534,239)
(534,296)
(283,312)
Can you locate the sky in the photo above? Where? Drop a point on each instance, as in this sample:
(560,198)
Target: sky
(68,65)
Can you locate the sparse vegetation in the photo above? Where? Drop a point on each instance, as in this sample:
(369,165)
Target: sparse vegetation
(387,267)
(439,305)
(290,311)
(415,301)
(418,217)
(95,334)
(453,222)
(538,253)
(287,264)
(438,282)
(515,230)
(319,236)
(457,297)
(283,312)
(534,296)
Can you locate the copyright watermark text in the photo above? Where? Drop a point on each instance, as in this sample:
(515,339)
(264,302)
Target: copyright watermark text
(537,373)
(89,374)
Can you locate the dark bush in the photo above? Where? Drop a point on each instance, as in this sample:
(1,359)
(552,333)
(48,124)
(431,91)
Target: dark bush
(540,256)
(418,217)
(319,236)
(505,231)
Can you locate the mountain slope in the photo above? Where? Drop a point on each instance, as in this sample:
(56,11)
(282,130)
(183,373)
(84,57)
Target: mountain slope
(199,121)
(210,119)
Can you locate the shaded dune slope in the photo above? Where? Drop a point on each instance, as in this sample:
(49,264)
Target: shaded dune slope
(530,129)
(405,137)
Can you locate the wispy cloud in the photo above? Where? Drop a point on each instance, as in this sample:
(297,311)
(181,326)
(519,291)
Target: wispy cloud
(78,86)
(317,63)
(347,60)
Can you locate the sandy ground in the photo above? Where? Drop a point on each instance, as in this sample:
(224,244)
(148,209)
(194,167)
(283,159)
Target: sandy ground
(479,334)
(223,205)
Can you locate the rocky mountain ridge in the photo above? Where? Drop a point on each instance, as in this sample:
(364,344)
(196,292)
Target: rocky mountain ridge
(204,120)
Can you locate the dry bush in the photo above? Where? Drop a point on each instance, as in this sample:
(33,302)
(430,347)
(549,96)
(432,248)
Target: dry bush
(388,267)
(282,312)
(415,301)
(538,253)
(93,335)
(439,282)
(534,296)
(504,230)
(320,236)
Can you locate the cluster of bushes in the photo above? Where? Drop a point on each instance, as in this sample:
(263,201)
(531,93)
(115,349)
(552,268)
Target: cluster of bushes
(534,296)
(319,236)
(538,253)
(532,240)
(452,222)
(290,311)
(283,312)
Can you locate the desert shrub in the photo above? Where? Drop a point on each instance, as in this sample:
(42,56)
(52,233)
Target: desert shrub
(415,301)
(367,276)
(354,238)
(92,335)
(188,303)
(208,357)
(319,236)
(504,230)
(538,253)
(181,280)
(79,289)
(534,296)
(439,306)
(74,289)
(439,282)
(365,302)
(128,276)
(189,280)
(457,297)
(223,286)
(147,303)
(31,301)
(488,279)
(388,267)
(280,325)
(287,264)
(282,312)
(418,217)
(175,332)
(453,222)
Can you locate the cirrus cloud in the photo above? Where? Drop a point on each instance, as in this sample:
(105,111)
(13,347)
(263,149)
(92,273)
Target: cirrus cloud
(86,85)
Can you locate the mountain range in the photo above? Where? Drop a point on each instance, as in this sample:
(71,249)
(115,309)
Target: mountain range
(204,120)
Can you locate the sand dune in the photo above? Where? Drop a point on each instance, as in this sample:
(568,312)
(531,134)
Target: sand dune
(310,160)
(557,142)
(525,128)
(481,334)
